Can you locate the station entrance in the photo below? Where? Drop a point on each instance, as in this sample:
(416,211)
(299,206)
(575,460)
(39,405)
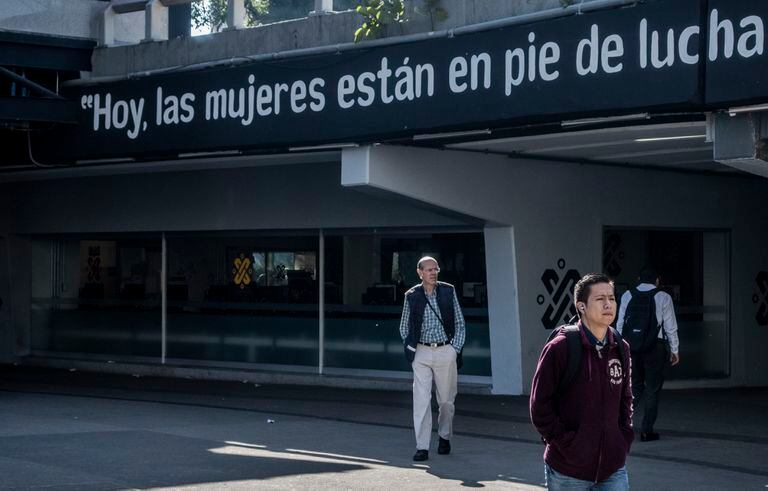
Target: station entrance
(694,269)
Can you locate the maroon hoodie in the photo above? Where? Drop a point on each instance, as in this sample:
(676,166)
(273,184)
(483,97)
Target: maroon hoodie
(587,428)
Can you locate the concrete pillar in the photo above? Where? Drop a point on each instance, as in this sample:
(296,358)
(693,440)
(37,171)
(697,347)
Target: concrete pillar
(740,141)
(155,21)
(235,14)
(106,27)
(503,311)
(322,7)
(179,20)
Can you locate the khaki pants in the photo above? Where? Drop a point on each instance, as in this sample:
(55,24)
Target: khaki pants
(438,364)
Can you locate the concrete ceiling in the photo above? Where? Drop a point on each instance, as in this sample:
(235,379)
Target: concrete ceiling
(671,146)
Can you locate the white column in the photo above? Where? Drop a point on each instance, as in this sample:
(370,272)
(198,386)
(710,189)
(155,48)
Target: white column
(106,24)
(155,21)
(503,310)
(235,14)
(322,7)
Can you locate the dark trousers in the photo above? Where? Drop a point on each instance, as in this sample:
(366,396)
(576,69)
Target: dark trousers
(647,380)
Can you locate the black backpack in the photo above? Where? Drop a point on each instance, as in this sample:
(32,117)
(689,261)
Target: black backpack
(641,328)
(573,342)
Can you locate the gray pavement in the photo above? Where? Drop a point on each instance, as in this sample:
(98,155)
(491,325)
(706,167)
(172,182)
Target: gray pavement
(81,431)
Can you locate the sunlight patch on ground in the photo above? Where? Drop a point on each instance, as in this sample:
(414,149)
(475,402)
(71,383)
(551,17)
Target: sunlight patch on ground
(337,456)
(252,450)
(249,445)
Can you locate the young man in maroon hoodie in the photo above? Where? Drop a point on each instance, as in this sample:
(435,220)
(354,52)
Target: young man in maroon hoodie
(587,425)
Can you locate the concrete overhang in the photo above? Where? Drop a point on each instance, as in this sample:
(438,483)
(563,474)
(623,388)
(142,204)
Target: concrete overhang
(740,141)
(680,146)
(428,178)
(191,163)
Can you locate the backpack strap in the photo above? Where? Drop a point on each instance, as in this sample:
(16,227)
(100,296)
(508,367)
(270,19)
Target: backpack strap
(620,345)
(573,344)
(659,325)
(656,291)
(439,317)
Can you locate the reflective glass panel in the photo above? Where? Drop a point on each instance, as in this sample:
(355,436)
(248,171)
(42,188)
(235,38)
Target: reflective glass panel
(243,299)
(96,296)
(693,267)
(366,277)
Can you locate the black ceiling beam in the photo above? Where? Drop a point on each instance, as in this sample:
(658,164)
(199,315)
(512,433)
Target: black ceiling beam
(43,51)
(35,87)
(35,109)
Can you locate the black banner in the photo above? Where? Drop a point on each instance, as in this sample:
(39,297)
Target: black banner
(640,58)
(737,65)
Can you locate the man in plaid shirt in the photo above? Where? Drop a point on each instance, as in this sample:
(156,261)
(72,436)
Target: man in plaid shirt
(433,330)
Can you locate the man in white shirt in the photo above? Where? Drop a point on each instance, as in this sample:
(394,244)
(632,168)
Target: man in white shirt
(648,366)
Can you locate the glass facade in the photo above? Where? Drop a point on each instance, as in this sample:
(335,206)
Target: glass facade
(366,278)
(693,266)
(251,300)
(248,298)
(97,296)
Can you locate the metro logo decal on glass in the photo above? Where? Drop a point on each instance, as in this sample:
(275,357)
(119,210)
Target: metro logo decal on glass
(613,255)
(761,298)
(94,264)
(242,272)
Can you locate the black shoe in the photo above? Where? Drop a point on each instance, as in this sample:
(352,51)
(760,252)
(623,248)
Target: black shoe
(420,455)
(444,447)
(649,436)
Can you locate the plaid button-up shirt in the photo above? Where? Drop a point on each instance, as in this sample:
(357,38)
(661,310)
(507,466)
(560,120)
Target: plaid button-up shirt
(431,329)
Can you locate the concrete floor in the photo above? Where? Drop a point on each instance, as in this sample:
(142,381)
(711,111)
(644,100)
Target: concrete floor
(74,430)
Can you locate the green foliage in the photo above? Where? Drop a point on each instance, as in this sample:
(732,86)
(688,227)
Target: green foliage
(213,13)
(377,15)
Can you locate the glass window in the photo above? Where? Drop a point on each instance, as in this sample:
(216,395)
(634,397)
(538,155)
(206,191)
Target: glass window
(248,299)
(693,266)
(96,296)
(243,299)
(366,278)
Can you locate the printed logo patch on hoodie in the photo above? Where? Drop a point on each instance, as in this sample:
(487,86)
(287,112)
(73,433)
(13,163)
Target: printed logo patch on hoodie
(615,371)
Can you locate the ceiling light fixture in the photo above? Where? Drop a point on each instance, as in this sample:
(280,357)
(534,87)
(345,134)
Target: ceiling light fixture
(748,109)
(115,160)
(666,138)
(609,119)
(215,153)
(329,146)
(453,134)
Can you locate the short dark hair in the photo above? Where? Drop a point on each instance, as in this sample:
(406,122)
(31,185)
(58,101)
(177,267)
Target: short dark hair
(648,275)
(584,285)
